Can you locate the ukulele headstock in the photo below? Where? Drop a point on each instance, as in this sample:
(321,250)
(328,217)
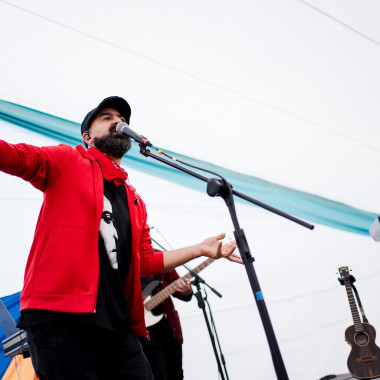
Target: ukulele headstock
(344,274)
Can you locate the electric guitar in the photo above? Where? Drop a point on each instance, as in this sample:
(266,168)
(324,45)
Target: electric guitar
(364,359)
(150,302)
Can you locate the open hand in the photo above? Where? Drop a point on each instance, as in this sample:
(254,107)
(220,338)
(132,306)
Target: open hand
(213,247)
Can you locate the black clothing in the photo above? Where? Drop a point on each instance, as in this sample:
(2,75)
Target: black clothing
(164,349)
(84,352)
(163,352)
(111,307)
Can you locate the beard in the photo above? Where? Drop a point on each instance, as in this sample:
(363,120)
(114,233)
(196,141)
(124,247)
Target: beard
(113,145)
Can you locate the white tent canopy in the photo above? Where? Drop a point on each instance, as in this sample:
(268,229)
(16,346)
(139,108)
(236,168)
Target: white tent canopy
(275,89)
(286,91)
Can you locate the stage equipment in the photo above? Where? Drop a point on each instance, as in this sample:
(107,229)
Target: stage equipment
(220,187)
(152,301)
(345,376)
(166,292)
(124,129)
(202,300)
(16,341)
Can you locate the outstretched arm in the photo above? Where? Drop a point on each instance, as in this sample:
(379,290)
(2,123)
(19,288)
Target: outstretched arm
(210,247)
(31,163)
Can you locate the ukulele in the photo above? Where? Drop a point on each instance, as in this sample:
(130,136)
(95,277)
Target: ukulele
(364,359)
(150,302)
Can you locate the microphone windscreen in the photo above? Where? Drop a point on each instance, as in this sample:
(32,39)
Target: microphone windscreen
(120,126)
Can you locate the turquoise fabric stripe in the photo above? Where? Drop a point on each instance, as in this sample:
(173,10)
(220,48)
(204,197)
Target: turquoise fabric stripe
(307,206)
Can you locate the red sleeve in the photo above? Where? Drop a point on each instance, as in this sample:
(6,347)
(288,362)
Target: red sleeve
(151,260)
(171,276)
(30,162)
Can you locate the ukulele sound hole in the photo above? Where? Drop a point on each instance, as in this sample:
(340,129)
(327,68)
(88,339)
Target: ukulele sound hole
(361,339)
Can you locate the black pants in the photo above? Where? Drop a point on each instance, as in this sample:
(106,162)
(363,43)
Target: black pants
(163,352)
(85,352)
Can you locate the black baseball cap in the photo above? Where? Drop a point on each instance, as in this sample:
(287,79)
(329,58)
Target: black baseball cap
(116,102)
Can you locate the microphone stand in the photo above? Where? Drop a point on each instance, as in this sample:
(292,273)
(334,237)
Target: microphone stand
(201,304)
(200,279)
(220,187)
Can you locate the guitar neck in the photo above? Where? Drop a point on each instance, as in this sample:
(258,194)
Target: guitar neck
(354,309)
(165,293)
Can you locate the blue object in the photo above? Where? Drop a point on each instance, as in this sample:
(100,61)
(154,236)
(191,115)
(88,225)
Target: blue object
(259,296)
(297,203)
(12,303)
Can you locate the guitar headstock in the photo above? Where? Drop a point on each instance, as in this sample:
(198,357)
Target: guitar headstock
(344,274)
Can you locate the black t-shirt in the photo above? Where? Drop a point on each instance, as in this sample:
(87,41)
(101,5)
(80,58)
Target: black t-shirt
(115,238)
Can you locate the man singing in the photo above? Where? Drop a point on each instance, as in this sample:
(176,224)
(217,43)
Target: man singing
(81,304)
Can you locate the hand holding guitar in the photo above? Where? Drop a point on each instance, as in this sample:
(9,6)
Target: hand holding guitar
(183,285)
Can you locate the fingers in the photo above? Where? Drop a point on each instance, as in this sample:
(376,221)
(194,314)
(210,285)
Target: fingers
(182,285)
(185,284)
(220,236)
(228,251)
(232,256)
(235,258)
(214,248)
(219,249)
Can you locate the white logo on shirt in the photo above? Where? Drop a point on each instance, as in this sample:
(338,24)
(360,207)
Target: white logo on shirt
(108,232)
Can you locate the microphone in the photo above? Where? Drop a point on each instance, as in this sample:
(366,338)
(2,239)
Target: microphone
(123,129)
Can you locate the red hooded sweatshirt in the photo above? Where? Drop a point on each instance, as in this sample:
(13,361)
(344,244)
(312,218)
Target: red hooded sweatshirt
(62,270)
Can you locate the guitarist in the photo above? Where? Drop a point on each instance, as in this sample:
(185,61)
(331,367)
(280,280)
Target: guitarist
(164,349)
